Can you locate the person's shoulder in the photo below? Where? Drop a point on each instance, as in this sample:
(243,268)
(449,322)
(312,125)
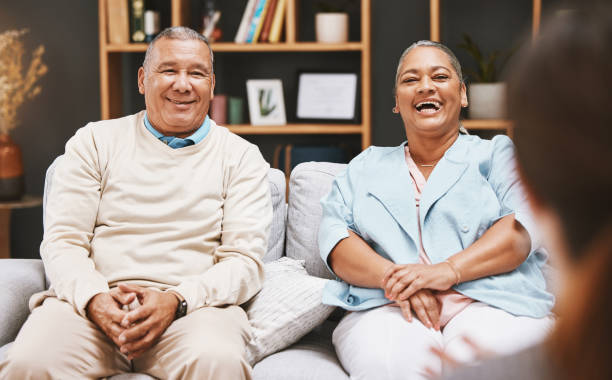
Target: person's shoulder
(234,148)
(112,127)
(229,139)
(373,155)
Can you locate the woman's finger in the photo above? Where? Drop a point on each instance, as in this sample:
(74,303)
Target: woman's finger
(432,307)
(402,279)
(406,310)
(419,310)
(388,273)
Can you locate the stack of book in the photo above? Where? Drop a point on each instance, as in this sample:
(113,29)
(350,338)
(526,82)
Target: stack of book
(262,21)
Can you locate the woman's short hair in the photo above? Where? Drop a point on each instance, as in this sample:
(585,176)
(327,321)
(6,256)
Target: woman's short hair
(427,43)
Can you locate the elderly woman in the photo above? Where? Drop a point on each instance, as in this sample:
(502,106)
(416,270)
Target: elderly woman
(559,92)
(438,227)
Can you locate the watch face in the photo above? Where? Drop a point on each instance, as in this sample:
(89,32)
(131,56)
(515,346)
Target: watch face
(181,310)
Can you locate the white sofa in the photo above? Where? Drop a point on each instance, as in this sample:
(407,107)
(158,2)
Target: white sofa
(293,234)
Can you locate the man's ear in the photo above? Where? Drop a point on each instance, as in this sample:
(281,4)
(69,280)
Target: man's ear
(212,87)
(141,77)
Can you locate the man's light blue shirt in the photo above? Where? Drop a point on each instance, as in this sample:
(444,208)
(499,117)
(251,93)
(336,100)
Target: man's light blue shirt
(177,142)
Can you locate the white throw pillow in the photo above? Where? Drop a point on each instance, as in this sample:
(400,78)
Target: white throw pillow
(287,308)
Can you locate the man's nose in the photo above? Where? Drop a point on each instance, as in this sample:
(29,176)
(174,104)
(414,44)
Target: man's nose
(181,82)
(425,85)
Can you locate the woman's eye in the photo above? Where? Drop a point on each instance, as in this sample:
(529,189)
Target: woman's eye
(441,77)
(408,80)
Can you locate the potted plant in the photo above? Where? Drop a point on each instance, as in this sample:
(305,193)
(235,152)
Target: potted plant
(486,95)
(15,87)
(332,22)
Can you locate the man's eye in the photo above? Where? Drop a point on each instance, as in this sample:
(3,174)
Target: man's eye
(441,77)
(168,71)
(408,80)
(197,74)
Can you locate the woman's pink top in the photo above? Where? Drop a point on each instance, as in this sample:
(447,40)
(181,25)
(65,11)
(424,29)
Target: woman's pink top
(451,301)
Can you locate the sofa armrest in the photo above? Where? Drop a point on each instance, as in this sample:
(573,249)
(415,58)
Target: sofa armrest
(19,279)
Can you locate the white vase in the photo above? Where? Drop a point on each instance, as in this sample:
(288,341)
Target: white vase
(331,27)
(487,100)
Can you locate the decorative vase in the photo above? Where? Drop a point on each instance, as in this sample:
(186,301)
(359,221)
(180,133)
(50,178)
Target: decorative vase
(11,170)
(332,27)
(487,100)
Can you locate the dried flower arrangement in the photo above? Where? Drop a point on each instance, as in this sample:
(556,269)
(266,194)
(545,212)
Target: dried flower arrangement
(15,87)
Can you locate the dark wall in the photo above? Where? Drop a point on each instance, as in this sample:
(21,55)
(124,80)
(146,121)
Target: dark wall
(70,97)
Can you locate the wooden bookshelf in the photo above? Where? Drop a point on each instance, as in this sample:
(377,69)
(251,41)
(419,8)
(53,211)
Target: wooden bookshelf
(434,32)
(111,78)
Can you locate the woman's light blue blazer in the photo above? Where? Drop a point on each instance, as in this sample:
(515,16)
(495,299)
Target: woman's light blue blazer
(472,186)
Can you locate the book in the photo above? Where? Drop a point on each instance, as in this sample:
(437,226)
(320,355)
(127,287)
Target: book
(261,4)
(138,34)
(245,22)
(118,21)
(277,22)
(261,21)
(265,29)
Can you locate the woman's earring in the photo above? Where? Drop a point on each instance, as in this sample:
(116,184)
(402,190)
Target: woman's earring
(395,110)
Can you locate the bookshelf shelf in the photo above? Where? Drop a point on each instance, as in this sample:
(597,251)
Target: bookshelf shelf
(293,129)
(111,66)
(489,124)
(229,47)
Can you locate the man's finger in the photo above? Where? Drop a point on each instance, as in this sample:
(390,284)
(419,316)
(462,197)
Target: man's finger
(139,345)
(121,297)
(130,288)
(136,315)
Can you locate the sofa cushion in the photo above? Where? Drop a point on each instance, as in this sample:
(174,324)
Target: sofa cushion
(309,182)
(312,358)
(276,242)
(19,279)
(287,308)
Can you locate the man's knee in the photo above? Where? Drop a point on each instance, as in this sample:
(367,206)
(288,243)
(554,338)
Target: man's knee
(219,357)
(28,362)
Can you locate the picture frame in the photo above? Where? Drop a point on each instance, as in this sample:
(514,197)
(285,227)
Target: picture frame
(327,96)
(266,102)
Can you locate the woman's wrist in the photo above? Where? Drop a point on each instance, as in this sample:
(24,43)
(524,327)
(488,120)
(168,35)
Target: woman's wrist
(455,270)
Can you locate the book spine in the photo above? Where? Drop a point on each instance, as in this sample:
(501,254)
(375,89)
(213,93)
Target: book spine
(118,21)
(255,21)
(260,22)
(138,34)
(277,23)
(265,30)
(241,34)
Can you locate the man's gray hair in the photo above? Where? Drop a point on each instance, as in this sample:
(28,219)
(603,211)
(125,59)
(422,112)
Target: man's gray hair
(178,33)
(449,53)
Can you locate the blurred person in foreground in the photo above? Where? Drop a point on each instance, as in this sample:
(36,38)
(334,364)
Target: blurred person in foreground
(559,92)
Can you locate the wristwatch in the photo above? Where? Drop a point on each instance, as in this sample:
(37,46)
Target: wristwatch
(181,308)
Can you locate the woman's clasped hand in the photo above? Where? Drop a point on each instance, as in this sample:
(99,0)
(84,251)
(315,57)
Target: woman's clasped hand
(402,281)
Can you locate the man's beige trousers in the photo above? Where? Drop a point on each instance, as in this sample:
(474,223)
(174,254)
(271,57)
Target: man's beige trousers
(57,343)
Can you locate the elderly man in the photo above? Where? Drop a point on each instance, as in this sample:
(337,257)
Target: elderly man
(155,228)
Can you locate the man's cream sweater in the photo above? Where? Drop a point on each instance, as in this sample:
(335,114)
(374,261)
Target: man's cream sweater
(125,207)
